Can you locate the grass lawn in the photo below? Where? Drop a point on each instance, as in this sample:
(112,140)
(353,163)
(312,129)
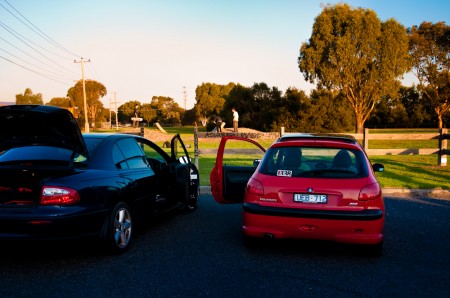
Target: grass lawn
(401,171)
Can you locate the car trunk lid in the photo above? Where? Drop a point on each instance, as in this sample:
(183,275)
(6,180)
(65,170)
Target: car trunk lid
(28,125)
(37,142)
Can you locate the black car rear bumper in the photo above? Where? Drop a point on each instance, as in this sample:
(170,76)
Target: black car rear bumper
(51,227)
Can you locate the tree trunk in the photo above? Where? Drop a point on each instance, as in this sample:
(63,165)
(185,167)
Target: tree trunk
(359,126)
(440,122)
(359,123)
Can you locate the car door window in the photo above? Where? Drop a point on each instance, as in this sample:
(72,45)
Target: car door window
(132,154)
(155,157)
(119,158)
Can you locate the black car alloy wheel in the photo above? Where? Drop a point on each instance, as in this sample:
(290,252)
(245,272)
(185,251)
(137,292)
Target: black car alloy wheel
(117,232)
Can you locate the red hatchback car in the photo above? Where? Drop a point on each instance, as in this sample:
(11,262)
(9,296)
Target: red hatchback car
(310,186)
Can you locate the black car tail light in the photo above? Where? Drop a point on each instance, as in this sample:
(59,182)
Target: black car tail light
(55,195)
(255,187)
(370,192)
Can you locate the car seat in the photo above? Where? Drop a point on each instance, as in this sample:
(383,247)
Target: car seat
(342,160)
(292,158)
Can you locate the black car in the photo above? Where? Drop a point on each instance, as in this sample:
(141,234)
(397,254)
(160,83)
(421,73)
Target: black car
(56,183)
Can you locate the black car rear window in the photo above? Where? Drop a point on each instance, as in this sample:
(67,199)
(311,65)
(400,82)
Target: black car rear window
(314,162)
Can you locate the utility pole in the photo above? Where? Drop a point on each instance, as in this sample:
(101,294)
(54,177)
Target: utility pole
(115,110)
(184,92)
(110,123)
(86,120)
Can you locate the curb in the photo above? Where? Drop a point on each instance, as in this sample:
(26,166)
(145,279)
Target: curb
(433,192)
(206,190)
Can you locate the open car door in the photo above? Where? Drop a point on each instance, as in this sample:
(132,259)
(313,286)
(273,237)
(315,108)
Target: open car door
(186,171)
(229,176)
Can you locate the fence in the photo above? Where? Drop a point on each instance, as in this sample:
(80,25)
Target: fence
(364,138)
(441,151)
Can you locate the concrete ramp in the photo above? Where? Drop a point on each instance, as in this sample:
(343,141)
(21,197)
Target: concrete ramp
(160,127)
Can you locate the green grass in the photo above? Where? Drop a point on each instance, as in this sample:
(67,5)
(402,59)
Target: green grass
(401,171)
(412,171)
(404,130)
(400,144)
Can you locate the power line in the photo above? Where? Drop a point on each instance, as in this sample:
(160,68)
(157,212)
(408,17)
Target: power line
(37,31)
(34,65)
(33,71)
(22,39)
(61,73)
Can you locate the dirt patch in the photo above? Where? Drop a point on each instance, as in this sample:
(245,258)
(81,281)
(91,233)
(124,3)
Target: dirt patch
(158,136)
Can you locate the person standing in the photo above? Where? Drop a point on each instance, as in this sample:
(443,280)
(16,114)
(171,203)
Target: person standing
(235,120)
(136,116)
(218,122)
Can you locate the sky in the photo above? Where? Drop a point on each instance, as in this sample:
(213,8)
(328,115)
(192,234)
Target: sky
(144,48)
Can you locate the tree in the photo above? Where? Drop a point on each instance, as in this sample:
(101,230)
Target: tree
(210,99)
(239,98)
(262,110)
(126,111)
(430,49)
(167,110)
(329,111)
(352,51)
(190,117)
(62,102)
(419,111)
(290,110)
(389,112)
(148,113)
(28,98)
(94,91)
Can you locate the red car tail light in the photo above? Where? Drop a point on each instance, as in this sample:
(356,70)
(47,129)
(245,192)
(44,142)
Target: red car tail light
(255,187)
(370,192)
(55,195)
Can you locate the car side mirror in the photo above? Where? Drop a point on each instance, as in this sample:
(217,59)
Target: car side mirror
(256,162)
(378,167)
(184,159)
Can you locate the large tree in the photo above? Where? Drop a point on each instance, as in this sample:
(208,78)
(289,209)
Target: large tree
(126,111)
(430,49)
(148,113)
(62,102)
(420,112)
(29,98)
(352,51)
(210,99)
(167,110)
(94,91)
(239,97)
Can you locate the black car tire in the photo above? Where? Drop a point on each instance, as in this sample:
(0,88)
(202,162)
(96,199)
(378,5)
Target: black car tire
(117,230)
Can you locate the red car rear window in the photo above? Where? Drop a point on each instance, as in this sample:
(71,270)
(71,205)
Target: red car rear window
(320,162)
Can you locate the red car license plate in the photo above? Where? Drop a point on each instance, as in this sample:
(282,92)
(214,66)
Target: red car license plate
(310,198)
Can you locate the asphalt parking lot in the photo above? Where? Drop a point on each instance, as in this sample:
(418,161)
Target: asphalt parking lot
(201,254)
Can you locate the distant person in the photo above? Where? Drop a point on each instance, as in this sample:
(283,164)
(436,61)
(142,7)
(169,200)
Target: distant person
(235,120)
(136,116)
(218,122)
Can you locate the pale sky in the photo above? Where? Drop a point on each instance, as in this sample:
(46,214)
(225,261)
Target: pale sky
(144,48)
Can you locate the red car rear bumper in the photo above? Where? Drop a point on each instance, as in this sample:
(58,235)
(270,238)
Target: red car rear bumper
(365,227)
